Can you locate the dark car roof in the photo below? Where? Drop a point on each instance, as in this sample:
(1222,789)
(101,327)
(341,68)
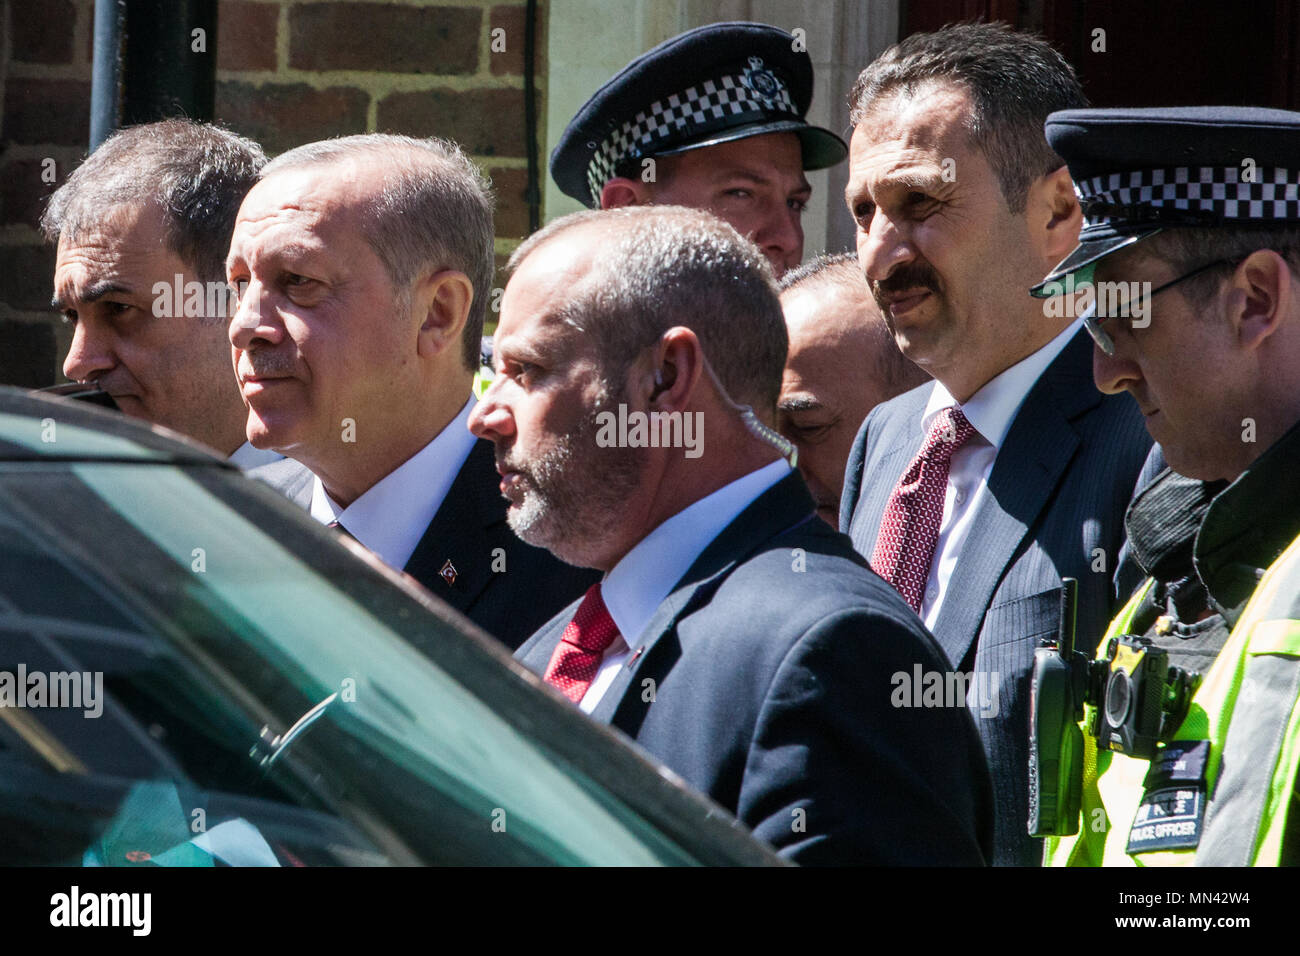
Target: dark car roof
(84,432)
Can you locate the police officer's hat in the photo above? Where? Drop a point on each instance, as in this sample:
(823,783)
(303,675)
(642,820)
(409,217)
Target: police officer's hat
(710,85)
(1138,171)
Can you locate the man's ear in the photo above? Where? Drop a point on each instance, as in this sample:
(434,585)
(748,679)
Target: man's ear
(444,298)
(1055,216)
(1260,295)
(621,191)
(675,367)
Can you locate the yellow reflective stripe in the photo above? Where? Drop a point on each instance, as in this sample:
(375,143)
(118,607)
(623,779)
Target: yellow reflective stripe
(1275,637)
(1280,792)
(1088,846)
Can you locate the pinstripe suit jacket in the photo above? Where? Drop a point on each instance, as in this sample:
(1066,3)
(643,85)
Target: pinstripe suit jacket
(1058,492)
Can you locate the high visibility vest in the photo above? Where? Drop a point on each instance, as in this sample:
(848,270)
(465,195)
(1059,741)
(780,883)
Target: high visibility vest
(1246,707)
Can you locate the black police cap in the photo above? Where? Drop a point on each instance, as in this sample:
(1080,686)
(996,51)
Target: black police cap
(710,85)
(1138,171)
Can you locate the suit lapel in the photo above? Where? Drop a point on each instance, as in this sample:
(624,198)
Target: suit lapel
(1038,448)
(783,506)
(453,558)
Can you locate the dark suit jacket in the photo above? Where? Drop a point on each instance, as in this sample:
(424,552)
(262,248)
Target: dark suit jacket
(765,679)
(468,528)
(1058,491)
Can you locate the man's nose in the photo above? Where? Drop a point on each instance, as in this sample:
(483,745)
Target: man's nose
(1113,373)
(491,418)
(253,320)
(882,248)
(781,238)
(90,354)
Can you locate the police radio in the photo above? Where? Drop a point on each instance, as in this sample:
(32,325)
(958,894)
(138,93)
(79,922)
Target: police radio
(1137,701)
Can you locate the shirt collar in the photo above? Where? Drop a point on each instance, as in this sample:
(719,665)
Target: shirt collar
(638,584)
(392,515)
(993,408)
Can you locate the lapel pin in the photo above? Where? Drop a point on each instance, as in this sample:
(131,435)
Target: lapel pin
(632,660)
(448,573)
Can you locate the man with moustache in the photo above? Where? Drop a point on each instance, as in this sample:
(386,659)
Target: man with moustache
(712,119)
(142,225)
(975,495)
(734,636)
(841,364)
(365,264)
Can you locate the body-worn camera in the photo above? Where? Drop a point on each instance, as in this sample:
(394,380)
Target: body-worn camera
(1137,700)
(1141,700)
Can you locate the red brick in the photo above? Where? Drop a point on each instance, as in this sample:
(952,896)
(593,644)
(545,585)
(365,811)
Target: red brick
(512,202)
(246,35)
(30,357)
(485,122)
(385,38)
(281,116)
(42,31)
(23,192)
(47,111)
(29,277)
(511,60)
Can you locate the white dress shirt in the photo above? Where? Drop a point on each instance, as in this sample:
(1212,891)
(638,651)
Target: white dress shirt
(392,515)
(991,411)
(246,457)
(636,586)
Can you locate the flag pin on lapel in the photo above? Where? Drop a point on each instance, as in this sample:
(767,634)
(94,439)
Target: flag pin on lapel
(448,573)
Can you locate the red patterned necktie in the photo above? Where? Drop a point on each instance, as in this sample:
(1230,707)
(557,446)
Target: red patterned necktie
(909,530)
(577,657)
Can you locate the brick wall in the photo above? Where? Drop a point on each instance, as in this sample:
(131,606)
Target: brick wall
(288,72)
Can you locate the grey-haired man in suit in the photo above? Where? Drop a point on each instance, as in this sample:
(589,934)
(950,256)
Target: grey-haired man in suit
(734,636)
(975,495)
(364,265)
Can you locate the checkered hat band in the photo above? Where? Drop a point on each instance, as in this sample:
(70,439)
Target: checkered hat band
(1208,193)
(714,104)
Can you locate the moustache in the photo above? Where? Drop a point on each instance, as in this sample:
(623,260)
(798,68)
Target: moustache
(264,363)
(913,275)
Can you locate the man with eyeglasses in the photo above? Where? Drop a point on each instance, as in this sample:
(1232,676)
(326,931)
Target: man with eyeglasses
(1199,207)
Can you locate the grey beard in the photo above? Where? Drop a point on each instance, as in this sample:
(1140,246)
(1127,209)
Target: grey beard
(576,492)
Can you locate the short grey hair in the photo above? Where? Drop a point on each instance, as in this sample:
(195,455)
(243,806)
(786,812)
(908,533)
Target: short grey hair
(196,174)
(842,271)
(433,212)
(1014,80)
(1191,248)
(667,266)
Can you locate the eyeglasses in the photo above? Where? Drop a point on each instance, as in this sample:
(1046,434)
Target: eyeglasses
(1093,324)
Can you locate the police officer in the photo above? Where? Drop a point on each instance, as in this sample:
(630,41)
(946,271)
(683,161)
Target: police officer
(712,119)
(1192,244)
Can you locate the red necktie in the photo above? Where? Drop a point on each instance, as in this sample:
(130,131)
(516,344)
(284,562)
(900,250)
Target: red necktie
(577,657)
(909,530)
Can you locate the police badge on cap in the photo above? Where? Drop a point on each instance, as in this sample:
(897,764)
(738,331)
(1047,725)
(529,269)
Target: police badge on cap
(714,84)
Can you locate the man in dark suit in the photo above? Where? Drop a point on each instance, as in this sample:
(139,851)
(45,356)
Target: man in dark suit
(735,636)
(364,265)
(976,494)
